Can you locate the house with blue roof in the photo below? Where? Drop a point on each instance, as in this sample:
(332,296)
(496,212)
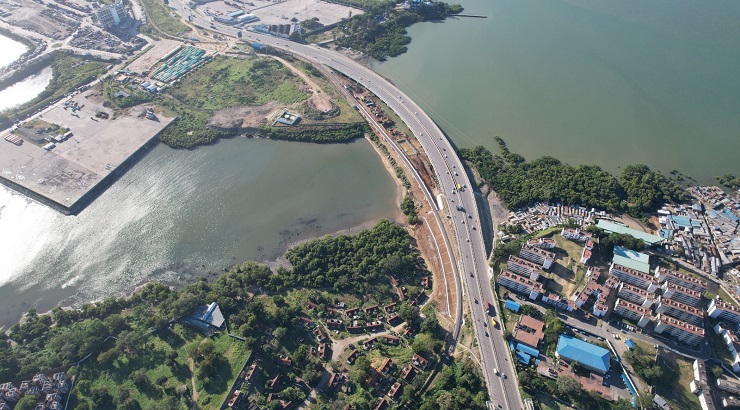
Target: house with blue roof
(588,355)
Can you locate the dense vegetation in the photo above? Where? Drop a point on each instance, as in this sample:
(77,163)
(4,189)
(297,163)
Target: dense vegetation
(381,32)
(455,388)
(409,209)
(729,180)
(520,183)
(647,190)
(569,390)
(152,363)
(318,134)
(349,262)
(644,364)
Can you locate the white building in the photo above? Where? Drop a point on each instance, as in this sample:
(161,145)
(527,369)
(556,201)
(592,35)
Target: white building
(681,311)
(537,255)
(633,312)
(723,310)
(634,277)
(524,267)
(521,284)
(682,331)
(686,281)
(682,294)
(112,15)
(636,295)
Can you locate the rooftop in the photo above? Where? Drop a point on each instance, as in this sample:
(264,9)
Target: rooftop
(585,353)
(633,307)
(679,324)
(521,279)
(631,259)
(617,228)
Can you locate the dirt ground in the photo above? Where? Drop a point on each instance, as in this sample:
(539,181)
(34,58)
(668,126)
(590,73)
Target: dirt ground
(319,100)
(245,116)
(148,59)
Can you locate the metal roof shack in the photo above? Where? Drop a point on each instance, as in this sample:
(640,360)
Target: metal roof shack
(590,356)
(631,259)
(617,228)
(513,306)
(207,318)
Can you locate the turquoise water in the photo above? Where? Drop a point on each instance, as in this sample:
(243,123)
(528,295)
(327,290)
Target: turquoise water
(594,82)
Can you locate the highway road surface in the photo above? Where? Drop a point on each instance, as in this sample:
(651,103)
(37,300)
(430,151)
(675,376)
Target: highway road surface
(472,259)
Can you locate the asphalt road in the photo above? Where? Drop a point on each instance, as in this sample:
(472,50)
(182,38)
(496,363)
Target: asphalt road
(472,259)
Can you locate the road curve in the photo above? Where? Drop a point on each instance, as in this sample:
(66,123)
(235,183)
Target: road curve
(498,370)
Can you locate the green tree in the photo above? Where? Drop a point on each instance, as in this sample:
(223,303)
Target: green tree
(26,403)
(568,386)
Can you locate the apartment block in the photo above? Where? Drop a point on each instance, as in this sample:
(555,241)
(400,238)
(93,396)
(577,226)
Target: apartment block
(524,267)
(682,331)
(593,273)
(575,235)
(636,295)
(559,302)
(633,311)
(521,284)
(663,274)
(724,311)
(634,277)
(537,255)
(681,311)
(683,295)
(542,243)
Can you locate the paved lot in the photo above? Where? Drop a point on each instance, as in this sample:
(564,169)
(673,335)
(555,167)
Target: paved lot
(70,170)
(282,12)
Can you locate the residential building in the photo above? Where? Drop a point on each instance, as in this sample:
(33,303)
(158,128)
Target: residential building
(723,310)
(634,277)
(682,294)
(728,385)
(520,284)
(543,243)
(636,295)
(700,386)
(558,302)
(537,255)
(587,251)
(111,15)
(681,311)
(593,273)
(682,331)
(529,331)
(732,342)
(575,235)
(633,312)
(663,274)
(207,318)
(590,356)
(524,267)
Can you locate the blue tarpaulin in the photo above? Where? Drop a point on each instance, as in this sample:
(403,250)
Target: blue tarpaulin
(511,305)
(523,357)
(630,343)
(528,350)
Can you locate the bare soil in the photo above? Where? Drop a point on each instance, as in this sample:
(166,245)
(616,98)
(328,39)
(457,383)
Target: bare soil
(245,116)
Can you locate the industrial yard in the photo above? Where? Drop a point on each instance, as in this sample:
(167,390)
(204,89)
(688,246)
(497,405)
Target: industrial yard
(62,173)
(281,12)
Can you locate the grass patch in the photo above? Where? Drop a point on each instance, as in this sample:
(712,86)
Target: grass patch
(228,82)
(674,385)
(725,297)
(164,19)
(157,376)
(719,347)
